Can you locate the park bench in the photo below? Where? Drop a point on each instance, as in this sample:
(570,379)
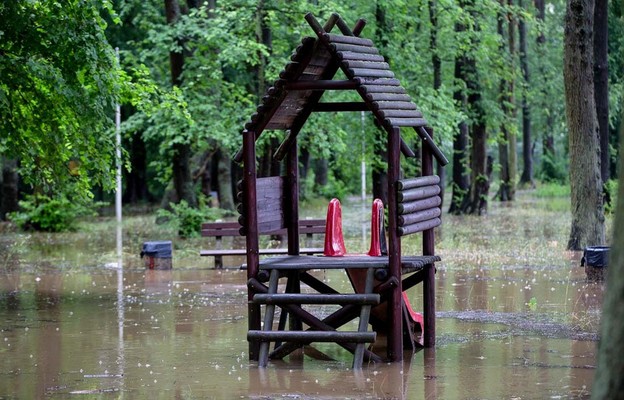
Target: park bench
(219,230)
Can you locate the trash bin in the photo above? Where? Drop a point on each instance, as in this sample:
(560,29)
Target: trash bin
(595,260)
(157,255)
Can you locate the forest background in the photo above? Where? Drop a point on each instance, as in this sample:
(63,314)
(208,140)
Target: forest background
(487,75)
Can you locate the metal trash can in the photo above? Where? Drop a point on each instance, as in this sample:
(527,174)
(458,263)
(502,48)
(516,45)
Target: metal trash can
(595,260)
(157,255)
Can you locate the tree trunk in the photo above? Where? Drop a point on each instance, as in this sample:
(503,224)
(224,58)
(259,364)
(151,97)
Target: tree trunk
(461,178)
(506,145)
(320,172)
(601,83)
(226,197)
(10,190)
(182,180)
(527,145)
(136,178)
(304,168)
(477,201)
(548,140)
(609,376)
(436,64)
(585,183)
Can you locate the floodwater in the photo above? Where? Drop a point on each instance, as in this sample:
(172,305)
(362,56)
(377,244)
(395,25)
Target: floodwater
(516,319)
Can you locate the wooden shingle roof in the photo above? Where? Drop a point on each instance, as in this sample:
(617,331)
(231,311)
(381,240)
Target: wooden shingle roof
(312,67)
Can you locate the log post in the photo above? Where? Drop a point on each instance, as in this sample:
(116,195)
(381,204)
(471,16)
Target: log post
(251,231)
(395,302)
(428,250)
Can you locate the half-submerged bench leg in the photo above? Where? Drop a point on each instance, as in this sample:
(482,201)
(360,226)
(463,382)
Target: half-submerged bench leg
(263,358)
(363,323)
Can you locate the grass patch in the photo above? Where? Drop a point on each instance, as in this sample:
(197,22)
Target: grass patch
(552,190)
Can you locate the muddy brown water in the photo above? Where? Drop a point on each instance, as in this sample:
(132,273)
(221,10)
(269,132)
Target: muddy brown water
(516,319)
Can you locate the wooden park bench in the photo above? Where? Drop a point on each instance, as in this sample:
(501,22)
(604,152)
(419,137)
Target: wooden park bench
(219,230)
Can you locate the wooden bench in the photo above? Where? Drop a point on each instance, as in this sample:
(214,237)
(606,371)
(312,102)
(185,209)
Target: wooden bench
(218,230)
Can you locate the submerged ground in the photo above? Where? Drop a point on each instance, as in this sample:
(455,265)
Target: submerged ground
(516,317)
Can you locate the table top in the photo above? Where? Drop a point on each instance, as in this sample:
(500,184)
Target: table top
(303,262)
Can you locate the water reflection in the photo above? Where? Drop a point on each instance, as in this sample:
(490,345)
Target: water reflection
(516,319)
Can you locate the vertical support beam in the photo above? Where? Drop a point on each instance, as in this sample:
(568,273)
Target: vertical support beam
(395,331)
(429,271)
(292,197)
(251,233)
(292,222)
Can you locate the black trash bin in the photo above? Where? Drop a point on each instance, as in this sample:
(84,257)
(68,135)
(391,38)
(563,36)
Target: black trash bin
(595,260)
(157,255)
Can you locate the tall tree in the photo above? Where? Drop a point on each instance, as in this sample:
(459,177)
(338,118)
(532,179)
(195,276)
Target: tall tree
(548,140)
(436,64)
(507,141)
(601,83)
(8,187)
(585,183)
(182,180)
(477,199)
(59,81)
(609,381)
(460,173)
(527,141)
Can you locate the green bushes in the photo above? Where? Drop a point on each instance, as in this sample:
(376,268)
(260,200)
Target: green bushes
(51,214)
(187,220)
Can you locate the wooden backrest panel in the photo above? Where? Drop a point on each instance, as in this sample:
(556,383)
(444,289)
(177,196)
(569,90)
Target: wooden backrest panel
(270,204)
(418,204)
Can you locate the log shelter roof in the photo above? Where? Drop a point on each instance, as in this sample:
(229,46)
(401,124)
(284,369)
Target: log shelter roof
(310,72)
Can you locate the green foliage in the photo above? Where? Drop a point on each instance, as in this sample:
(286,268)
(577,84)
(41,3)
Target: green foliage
(553,169)
(187,220)
(51,214)
(532,304)
(59,81)
(552,190)
(611,190)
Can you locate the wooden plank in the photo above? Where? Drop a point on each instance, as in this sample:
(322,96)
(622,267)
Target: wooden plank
(321,84)
(419,216)
(388,97)
(413,206)
(269,227)
(405,184)
(378,81)
(221,232)
(341,47)
(382,89)
(343,27)
(366,64)
(393,105)
(353,56)
(307,43)
(400,113)
(406,122)
(341,106)
(316,298)
(418,193)
(419,227)
(349,40)
(263,252)
(428,141)
(312,336)
(284,147)
(372,73)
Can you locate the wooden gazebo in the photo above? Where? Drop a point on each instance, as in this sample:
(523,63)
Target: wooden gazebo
(271,203)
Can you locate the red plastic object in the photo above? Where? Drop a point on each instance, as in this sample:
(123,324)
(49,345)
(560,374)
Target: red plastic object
(376,228)
(415,317)
(334,241)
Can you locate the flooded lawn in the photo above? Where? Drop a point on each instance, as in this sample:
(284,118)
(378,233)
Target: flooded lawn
(516,318)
